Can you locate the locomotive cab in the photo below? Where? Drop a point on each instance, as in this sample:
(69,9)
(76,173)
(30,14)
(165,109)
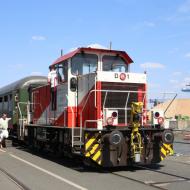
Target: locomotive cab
(99,85)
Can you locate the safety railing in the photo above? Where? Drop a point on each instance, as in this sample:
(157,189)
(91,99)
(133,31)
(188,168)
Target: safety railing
(22,119)
(125,103)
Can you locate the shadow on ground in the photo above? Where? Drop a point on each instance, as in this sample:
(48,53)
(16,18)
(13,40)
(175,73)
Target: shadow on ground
(76,162)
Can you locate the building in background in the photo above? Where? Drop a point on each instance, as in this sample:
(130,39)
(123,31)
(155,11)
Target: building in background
(180,108)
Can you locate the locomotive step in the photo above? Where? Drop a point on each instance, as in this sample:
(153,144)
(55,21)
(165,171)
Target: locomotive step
(78,143)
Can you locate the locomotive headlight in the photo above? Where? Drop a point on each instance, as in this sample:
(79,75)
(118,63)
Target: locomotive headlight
(167,137)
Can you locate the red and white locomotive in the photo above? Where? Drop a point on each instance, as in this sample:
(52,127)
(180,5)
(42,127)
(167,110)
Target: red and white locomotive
(96,110)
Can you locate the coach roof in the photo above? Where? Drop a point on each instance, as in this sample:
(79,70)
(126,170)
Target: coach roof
(22,83)
(123,54)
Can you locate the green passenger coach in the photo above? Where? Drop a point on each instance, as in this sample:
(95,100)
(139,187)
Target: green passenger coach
(15,99)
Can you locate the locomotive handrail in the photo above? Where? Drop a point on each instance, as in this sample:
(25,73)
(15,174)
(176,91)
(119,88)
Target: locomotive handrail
(21,115)
(27,104)
(126,107)
(72,127)
(105,99)
(116,91)
(64,116)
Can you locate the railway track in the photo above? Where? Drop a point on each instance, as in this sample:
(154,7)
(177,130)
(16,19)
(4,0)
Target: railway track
(156,185)
(138,181)
(184,163)
(18,183)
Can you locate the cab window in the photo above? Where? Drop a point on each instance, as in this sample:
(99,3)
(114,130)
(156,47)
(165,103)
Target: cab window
(62,70)
(84,64)
(114,63)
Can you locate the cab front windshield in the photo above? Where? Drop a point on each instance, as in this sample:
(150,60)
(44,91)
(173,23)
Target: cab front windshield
(84,63)
(114,63)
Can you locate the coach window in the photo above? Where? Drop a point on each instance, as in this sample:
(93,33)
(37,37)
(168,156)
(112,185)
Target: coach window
(5,104)
(1,104)
(84,63)
(114,63)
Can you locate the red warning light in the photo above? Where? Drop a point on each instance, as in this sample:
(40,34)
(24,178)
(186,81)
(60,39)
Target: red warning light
(122,76)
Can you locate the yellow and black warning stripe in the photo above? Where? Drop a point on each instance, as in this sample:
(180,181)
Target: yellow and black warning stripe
(166,149)
(92,147)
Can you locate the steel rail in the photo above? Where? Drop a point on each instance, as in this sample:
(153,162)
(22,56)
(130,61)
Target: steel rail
(18,183)
(152,184)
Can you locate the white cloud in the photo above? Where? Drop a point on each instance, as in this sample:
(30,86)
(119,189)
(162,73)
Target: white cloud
(186,79)
(183,84)
(177,18)
(185,7)
(180,15)
(38,38)
(178,84)
(173,81)
(152,65)
(36,73)
(143,25)
(187,55)
(96,45)
(177,73)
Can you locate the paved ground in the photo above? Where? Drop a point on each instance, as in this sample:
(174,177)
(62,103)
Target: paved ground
(21,169)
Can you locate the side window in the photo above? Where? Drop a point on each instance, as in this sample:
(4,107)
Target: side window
(60,76)
(5,98)
(5,104)
(65,70)
(84,64)
(62,70)
(114,63)
(1,104)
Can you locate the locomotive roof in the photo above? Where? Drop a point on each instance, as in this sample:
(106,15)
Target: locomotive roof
(123,54)
(24,82)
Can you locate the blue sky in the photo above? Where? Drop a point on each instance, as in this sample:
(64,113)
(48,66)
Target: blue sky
(156,34)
